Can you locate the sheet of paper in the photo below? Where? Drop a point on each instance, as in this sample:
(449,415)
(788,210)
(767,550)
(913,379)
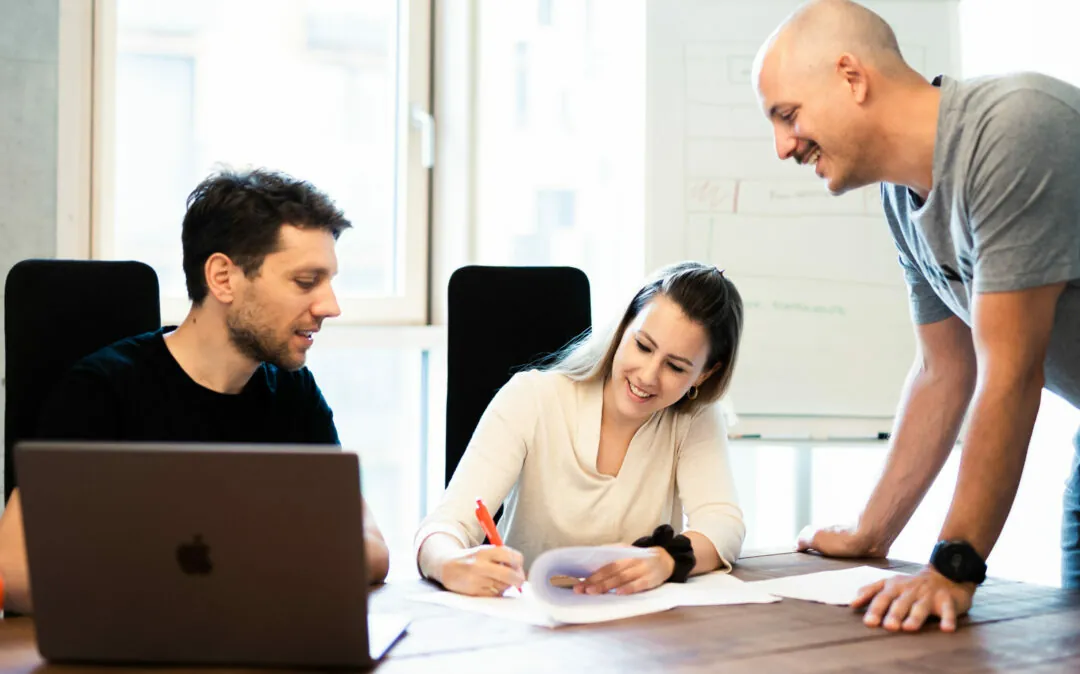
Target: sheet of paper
(576,562)
(569,609)
(521,606)
(713,589)
(827,587)
(566,606)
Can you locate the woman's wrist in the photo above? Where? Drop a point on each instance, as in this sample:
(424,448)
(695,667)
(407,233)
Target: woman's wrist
(435,551)
(677,546)
(666,559)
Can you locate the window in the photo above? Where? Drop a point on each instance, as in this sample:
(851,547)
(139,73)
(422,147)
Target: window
(544,12)
(387,409)
(321,89)
(521,83)
(560,140)
(328,91)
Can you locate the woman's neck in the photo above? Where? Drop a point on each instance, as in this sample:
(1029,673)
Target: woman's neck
(614,422)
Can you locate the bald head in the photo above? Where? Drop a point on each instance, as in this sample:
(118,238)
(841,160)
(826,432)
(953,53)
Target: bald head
(817,33)
(838,93)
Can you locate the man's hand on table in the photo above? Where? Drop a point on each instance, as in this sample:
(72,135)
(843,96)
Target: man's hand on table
(905,602)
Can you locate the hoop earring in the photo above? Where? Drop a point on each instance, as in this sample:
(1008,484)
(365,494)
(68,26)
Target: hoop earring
(692,393)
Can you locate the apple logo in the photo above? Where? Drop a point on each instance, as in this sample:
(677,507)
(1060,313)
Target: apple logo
(194,557)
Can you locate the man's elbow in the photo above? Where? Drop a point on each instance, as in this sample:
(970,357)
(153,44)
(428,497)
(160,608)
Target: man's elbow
(13,568)
(17,595)
(957,376)
(378,560)
(16,580)
(1026,379)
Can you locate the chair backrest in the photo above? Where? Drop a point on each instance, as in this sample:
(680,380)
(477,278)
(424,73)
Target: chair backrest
(499,319)
(55,313)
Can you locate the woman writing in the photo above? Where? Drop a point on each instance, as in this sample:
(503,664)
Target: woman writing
(618,438)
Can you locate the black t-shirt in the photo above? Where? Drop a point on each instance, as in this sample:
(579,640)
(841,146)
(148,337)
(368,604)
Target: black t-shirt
(134,390)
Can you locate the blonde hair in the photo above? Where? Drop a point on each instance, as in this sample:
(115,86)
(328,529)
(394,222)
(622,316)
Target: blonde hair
(704,294)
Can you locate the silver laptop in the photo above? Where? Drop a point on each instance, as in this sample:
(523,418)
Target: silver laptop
(199,554)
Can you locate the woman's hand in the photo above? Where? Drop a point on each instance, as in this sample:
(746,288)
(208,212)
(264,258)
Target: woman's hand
(627,576)
(484,571)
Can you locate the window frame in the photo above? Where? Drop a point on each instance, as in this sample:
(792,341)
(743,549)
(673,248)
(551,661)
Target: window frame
(87,135)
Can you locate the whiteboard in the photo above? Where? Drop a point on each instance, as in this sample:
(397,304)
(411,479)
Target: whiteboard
(827,338)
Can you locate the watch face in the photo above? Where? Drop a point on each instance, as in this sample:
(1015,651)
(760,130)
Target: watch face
(956,562)
(959,562)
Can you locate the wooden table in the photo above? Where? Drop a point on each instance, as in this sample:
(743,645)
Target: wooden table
(1013,627)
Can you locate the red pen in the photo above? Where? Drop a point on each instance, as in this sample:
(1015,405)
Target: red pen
(487,524)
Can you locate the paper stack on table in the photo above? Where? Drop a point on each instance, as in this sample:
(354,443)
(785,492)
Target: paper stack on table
(541,603)
(827,587)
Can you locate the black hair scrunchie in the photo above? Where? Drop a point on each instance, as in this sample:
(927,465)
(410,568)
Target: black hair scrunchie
(678,546)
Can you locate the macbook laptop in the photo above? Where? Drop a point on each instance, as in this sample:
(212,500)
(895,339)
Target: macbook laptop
(199,554)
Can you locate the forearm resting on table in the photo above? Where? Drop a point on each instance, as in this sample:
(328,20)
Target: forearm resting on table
(928,422)
(13,569)
(433,553)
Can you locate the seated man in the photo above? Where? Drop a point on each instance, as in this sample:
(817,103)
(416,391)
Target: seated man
(259,255)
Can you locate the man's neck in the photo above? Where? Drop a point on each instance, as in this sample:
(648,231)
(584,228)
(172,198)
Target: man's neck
(909,137)
(202,348)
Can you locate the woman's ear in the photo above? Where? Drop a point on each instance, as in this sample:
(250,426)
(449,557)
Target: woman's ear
(705,375)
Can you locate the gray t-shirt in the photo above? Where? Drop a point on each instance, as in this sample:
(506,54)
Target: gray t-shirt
(1004,210)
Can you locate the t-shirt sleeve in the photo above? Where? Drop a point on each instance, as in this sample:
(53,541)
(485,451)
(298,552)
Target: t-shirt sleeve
(1023,196)
(926,307)
(82,406)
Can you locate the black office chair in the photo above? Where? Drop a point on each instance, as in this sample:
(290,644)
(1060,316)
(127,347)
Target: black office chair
(55,313)
(500,319)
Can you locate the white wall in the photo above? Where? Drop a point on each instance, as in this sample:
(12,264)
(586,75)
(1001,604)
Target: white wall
(29,45)
(999,36)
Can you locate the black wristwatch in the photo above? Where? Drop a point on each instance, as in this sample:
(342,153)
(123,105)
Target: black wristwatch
(959,562)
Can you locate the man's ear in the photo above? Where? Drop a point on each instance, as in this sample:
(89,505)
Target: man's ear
(222,277)
(853,71)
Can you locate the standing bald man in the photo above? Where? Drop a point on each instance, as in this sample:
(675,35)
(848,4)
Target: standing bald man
(980,181)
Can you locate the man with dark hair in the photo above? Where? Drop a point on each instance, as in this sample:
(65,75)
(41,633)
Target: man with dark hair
(258,260)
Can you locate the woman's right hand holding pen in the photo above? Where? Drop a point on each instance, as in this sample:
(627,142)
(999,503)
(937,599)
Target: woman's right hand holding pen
(483,571)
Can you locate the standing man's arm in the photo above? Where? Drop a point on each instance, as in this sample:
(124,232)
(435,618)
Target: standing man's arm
(1012,334)
(1021,203)
(932,407)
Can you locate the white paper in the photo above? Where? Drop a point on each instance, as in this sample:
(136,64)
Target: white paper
(566,606)
(541,603)
(827,587)
(716,589)
(521,606)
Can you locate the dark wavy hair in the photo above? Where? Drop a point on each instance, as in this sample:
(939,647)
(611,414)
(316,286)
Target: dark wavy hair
(240,213)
